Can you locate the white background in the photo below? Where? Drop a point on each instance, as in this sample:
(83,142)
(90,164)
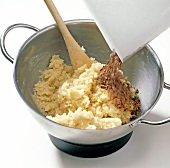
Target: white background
(24,144)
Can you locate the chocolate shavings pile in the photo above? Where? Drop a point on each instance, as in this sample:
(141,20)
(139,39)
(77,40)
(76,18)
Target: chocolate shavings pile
(113,80)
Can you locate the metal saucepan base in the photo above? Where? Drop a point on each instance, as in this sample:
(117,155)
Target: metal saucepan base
(90,151)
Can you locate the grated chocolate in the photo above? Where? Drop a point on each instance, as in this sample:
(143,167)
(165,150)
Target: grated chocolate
(112,79)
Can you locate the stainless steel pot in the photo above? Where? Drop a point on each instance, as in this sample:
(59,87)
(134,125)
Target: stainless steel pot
(34,55)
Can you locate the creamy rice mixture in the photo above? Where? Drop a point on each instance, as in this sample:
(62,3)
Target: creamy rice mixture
(73,98)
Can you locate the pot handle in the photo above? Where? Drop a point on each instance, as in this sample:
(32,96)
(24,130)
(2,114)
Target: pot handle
(143,121)
(6,31)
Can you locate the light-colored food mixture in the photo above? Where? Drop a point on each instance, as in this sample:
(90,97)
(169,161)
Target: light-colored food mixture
(75,99)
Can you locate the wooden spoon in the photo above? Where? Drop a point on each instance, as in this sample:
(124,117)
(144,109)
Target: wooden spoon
(77,56)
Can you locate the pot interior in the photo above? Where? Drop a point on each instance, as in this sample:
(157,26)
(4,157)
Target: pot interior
(143,69)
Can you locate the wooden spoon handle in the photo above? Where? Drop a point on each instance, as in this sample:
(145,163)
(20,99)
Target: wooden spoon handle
(60,23)
(77,55)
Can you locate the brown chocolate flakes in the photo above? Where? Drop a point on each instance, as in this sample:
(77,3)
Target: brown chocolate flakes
(112,79)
